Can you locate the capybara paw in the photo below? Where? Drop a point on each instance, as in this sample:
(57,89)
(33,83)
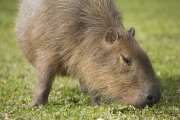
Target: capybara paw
(36,104)
(96,101)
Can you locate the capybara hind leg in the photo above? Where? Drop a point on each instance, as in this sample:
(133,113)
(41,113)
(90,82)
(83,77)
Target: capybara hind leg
(45,76)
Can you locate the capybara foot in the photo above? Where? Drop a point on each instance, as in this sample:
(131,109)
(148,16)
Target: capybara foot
(36,104)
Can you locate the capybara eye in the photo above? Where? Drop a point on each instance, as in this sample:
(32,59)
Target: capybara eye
(128,62)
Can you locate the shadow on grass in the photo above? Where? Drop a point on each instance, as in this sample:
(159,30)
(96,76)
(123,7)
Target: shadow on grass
(170,91)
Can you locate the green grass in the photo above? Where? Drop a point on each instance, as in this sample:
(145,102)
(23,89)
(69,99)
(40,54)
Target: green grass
(157,24)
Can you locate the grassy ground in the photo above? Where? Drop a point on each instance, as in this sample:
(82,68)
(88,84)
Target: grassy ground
(157,24)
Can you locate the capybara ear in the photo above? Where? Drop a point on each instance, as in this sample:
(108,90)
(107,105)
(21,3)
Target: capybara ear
(111,36)
(132,31)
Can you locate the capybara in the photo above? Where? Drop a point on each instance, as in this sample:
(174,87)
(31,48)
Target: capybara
(86,40)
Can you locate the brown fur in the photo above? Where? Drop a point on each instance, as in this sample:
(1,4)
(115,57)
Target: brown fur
(85,39)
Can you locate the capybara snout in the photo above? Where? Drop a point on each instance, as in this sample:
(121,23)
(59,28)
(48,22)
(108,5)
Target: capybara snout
(85,39)
(148,97)
(154,95)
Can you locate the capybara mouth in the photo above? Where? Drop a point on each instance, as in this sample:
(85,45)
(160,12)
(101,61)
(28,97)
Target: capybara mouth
(144,105)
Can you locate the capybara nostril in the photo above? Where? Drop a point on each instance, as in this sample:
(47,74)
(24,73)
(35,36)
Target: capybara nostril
(150,99)
(154,96)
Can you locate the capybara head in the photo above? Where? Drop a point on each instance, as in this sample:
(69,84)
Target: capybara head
(117,69)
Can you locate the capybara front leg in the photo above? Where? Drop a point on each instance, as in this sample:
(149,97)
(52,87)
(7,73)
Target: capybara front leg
(96,100)
(45,76)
